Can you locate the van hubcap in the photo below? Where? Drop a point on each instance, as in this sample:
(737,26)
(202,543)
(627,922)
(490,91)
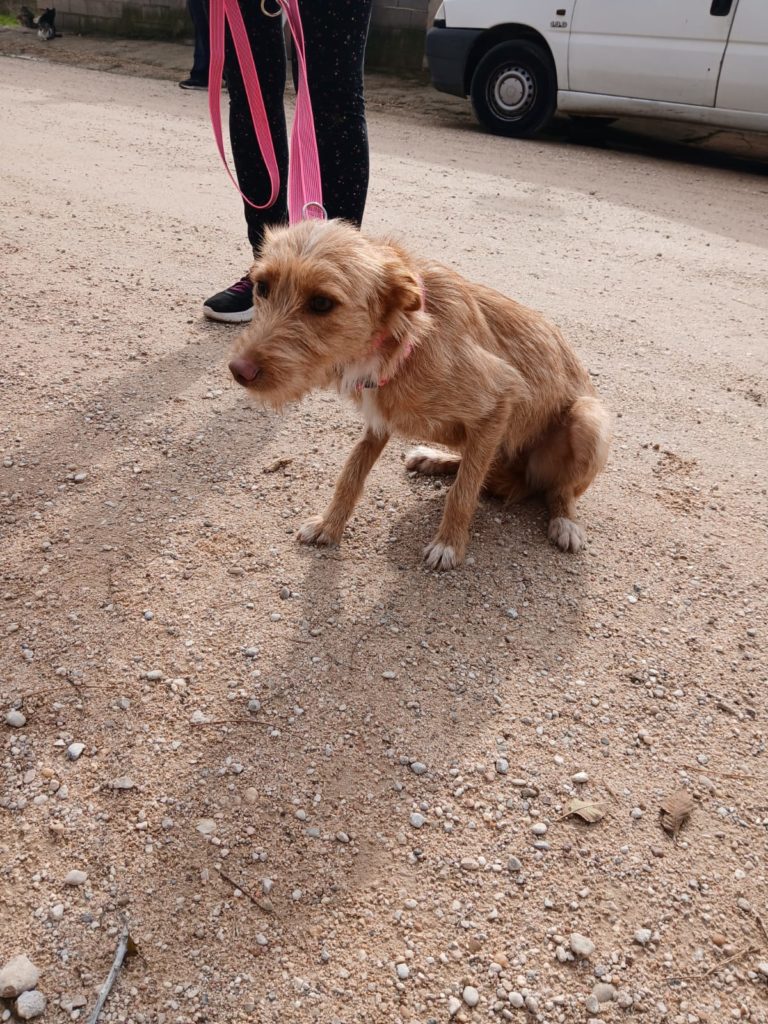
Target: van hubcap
(511,92)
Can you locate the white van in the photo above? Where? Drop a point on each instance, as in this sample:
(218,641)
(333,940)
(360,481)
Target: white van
(704,61)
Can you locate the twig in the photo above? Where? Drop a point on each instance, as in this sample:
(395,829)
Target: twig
(761,923)
(120,953)
(730,959)
(276,465)
(240,888)
(199,725)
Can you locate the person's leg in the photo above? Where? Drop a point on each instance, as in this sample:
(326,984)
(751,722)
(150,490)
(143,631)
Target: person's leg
(268,48)
(335,34)
(235,304)
(198,12)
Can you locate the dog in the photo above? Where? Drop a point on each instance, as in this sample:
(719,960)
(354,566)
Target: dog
(427,355)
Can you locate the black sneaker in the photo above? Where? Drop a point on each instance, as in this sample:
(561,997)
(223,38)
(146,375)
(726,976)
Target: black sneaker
(232,306)
(191,83)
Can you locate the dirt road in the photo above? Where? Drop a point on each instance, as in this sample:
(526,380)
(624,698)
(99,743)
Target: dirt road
(333,787)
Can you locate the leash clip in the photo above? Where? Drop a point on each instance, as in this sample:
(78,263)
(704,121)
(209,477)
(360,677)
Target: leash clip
(316,205)
(270,14)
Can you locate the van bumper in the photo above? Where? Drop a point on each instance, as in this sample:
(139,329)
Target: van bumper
(447,53)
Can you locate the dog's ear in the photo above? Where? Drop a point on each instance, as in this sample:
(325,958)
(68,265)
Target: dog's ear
(401,290)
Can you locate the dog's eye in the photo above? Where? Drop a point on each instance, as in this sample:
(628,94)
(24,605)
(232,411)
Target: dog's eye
(262,289)
(321,304)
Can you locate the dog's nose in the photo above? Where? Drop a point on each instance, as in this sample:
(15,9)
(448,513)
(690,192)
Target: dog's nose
(243,370)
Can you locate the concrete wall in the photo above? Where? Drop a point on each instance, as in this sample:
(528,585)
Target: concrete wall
(396,41)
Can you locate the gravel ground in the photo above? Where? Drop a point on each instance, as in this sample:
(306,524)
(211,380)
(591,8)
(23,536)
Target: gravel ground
(335,787)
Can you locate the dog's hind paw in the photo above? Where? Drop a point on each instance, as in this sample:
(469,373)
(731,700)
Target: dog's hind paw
(314,532)
(431,462)
(568,535)
(441,556)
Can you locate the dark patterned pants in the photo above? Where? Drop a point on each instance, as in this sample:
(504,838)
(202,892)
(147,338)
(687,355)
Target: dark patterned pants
(335,34)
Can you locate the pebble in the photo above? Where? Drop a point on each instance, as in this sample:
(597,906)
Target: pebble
(154,676)
(402,971)
(74,750)
(124,782)
(581,945)
(592,1004)
(73,1001)
(30,1005)
(418,768)
(469,864)
(604,993)
(417,820)
(80,478)
(206,826)
(470,995)
(15,719)
(76,877)
(643,936)
(580,778)
(18,975)
(516,1000)
(511,613)
(539,829)
(251,795)
(454,1005)
(502,766)
(56,912)
(513,864)
(763,968)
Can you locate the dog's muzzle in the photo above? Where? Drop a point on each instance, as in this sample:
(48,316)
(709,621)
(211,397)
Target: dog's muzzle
(244,371)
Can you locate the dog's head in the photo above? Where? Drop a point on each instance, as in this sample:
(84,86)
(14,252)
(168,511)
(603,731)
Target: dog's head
(322,294)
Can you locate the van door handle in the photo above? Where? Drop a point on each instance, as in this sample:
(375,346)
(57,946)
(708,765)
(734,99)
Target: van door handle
(721,8)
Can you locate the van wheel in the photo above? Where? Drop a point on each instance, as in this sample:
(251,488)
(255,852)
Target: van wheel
(514,89)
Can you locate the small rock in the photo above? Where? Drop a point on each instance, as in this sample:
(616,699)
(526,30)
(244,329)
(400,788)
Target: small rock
(580,778)
(251,795)
(643,936)
(74,750)
(18,975)
(539,829)
(402,971)
(762,968)
(56,912)
(511,613)
(516,1000)
(15,719)
(73,1001)
(76,877)
(604,993)
(417,820)
(502,766)
(469,864)
(513,864)
(80,478)
(124,782)
(206,826)
(454,1005)
(154,676)
(30,1005)
(592,1004)
(418,768)
(581,945)
(531,1005)
(470,995)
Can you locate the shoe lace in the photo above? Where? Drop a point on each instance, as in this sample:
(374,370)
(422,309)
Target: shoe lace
(245,284)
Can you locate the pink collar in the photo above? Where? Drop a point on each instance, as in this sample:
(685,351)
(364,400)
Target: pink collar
(378,342)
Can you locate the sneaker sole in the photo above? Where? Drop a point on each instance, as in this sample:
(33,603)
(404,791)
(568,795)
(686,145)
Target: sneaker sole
(243,317)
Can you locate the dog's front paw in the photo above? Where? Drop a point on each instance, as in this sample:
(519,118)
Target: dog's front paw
(314,531)
(442,556)
(568,535)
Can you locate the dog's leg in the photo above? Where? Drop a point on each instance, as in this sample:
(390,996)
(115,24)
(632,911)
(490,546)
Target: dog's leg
(431,462)
(449,546)
(563,529)
(328,528)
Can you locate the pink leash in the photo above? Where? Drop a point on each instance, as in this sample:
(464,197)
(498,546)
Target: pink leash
(305,193)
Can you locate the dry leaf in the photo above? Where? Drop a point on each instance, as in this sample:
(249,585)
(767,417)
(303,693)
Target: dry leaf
(675,811)
(587,810)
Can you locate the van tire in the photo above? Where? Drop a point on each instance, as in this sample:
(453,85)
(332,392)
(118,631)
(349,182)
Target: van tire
(514,89)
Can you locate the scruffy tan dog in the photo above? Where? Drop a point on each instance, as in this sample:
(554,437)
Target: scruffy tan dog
(425,354)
